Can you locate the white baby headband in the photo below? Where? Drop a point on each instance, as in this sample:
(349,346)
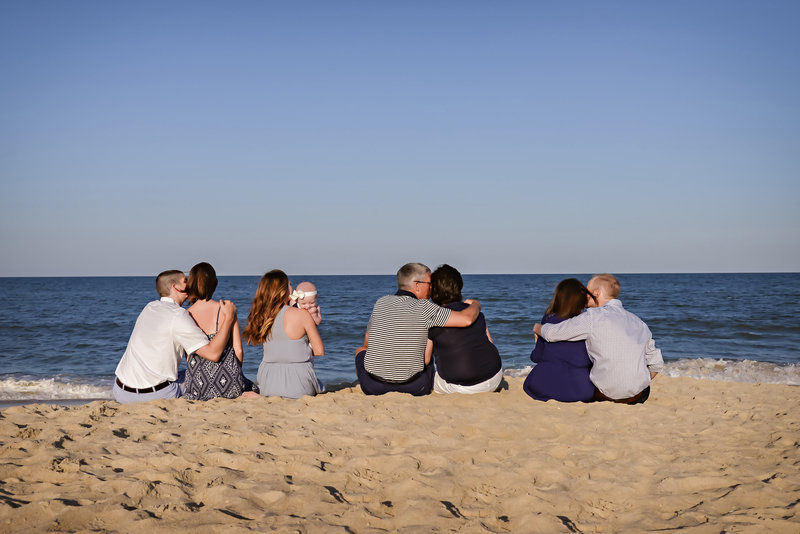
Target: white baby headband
(298,294)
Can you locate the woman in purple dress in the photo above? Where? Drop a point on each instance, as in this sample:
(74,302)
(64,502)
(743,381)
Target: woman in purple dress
(562,368)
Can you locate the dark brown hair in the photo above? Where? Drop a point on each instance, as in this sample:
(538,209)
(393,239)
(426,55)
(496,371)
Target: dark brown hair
(202,282)
(271,295)
(569,299)
(446,285)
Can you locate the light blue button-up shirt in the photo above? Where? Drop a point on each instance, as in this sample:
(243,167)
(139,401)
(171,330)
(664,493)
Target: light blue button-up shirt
(619,344)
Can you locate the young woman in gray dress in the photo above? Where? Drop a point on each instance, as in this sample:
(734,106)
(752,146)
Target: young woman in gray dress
(290,339)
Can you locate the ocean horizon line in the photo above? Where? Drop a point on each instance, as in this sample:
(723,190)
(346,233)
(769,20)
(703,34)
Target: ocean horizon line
(626,273)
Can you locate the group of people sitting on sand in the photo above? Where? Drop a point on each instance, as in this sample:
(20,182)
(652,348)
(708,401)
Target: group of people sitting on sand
(588,347)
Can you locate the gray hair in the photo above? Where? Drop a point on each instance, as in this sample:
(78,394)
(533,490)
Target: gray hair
(409,273)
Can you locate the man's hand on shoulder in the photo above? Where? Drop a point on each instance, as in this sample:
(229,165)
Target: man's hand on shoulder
(213,351)
(227,309)
(537,331)
(470,302)
(465,317)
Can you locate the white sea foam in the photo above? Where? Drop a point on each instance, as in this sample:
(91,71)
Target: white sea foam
(735,371)
(60,388)
(721,370)
(51,389)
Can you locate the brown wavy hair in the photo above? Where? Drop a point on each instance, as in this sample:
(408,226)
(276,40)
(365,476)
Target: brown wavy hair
(201,283)
(271,295)
(569,299)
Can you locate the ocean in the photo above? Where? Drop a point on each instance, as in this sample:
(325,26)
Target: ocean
(61,338)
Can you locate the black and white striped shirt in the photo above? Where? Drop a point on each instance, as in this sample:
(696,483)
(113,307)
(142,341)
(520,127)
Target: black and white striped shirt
(398,332)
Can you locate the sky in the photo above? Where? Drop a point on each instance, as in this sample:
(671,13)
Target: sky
(351,137)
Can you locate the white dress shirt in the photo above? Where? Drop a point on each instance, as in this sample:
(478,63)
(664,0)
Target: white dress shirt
(619,344)
(164,332)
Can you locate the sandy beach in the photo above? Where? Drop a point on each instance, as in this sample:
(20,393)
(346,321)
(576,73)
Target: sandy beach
(700,456)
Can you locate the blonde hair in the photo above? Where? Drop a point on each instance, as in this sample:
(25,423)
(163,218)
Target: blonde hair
(608,282)
(270,297)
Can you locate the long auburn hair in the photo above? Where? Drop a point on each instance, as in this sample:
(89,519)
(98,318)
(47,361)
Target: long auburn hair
(569,299)
(271,295)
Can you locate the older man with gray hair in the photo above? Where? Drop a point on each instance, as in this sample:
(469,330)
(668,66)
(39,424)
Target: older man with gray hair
(393,355)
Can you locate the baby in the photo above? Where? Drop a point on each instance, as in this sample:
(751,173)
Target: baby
(305,297)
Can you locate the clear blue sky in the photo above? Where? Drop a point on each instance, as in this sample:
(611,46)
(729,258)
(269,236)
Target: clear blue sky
(345,137)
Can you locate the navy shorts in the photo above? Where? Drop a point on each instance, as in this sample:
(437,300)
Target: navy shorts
(419,385)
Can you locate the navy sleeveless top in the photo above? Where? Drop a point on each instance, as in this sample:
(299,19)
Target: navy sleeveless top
(464,356)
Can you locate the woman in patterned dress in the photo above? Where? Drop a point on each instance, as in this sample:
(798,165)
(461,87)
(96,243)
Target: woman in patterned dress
(207,379)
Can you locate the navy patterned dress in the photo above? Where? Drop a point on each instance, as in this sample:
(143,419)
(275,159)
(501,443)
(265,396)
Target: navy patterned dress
(206,379)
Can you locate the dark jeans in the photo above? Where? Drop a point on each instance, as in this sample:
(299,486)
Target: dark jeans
(420,385)
(639,398)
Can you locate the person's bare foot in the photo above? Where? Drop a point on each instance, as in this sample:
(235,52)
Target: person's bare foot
(250,395)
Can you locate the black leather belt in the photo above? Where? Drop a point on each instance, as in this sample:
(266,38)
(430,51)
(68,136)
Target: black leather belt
(153,389)
(395,382)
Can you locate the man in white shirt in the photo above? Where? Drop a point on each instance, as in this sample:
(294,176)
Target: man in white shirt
(624,356)
(163,335)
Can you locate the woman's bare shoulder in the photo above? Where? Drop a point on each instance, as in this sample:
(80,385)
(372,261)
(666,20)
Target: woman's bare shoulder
(201,306)
(204,312)
(295,314)
(291,311)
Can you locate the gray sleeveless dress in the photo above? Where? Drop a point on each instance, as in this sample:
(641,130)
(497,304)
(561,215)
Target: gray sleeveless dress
(287,369)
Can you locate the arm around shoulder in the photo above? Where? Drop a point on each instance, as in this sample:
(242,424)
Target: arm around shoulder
(466,316)
(213,351)
(574,329)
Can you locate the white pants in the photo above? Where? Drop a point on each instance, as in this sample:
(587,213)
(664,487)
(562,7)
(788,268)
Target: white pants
(440,386)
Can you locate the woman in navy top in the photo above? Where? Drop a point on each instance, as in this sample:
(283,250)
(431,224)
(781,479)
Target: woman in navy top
(562,368)
(466,359)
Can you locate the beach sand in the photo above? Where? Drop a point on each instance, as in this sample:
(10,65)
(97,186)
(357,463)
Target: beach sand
(700,456)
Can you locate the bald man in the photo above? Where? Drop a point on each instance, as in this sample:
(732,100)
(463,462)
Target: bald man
(624,356)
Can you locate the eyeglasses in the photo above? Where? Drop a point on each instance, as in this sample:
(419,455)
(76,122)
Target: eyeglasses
(421,282)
